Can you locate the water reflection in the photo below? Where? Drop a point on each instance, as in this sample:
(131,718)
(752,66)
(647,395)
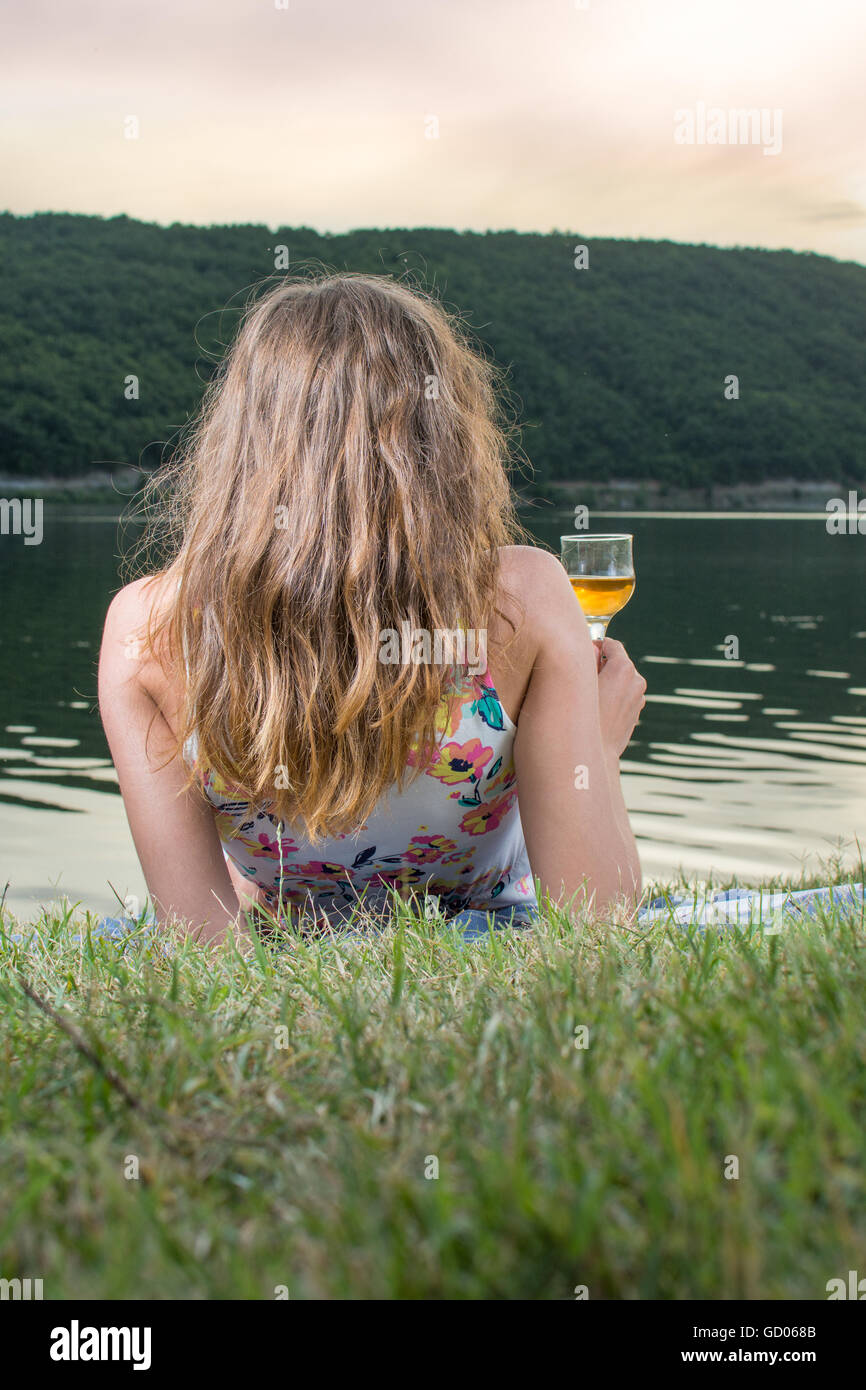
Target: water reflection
(748,766)
(776,780)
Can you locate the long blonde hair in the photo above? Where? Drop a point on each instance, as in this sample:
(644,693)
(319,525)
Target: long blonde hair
(345,474)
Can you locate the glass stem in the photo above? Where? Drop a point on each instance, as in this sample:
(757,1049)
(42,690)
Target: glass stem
(597,632)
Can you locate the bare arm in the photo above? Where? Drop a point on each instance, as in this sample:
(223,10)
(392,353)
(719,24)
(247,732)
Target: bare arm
(572,719)
(174,830)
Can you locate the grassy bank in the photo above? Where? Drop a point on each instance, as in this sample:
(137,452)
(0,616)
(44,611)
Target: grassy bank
(286,1111)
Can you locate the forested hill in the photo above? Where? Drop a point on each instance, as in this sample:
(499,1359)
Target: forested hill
(618,369)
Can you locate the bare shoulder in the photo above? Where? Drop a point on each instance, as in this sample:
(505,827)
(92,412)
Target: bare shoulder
(529,565)
(535,580)
(539,622)
(124,647)
(134,603)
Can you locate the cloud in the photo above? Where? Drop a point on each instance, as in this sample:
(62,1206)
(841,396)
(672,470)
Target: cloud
(549,115)
(838,212)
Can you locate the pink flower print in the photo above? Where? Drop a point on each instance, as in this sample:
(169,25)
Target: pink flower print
(318,872)
(266,845)
(446,722)
(488,815)
(425,849)
(460,762)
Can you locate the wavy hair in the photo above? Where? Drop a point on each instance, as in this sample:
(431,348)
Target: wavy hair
(346,473)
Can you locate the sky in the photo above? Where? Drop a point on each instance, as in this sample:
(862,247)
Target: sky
(582,116)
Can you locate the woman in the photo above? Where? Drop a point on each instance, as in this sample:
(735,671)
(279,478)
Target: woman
(336,688)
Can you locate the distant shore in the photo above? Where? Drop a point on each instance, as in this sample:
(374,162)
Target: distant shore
(774,495)
(116,489)
(626,495)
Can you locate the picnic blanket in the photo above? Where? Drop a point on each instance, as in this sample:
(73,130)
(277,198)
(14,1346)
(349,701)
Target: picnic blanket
(751,907)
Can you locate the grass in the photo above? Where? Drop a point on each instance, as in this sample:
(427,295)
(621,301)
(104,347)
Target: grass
(285,1109)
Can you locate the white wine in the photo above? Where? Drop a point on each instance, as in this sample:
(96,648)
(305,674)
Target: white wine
(609,583)
(600,595)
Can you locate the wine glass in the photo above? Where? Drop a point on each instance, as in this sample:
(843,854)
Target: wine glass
(601,570)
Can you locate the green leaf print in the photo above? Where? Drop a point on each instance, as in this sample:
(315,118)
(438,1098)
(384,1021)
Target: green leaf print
(490,711)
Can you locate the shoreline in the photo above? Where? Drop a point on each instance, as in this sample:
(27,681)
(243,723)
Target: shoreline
(782,496)
(628,497)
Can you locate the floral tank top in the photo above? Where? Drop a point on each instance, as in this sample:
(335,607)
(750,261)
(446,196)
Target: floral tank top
(452,834)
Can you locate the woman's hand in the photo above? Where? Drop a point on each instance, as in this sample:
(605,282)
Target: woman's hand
(621,694)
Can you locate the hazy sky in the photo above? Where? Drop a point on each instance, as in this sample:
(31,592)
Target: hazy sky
(550,115)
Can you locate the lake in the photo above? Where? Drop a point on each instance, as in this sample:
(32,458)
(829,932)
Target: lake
(748,767)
